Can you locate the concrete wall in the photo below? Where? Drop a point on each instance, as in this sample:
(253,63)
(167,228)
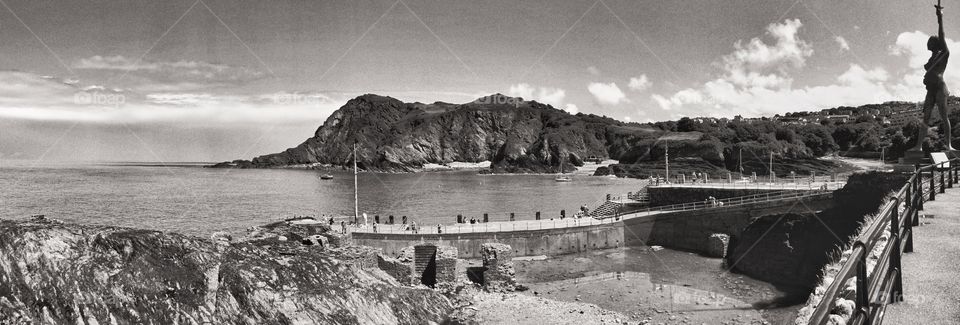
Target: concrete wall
(686,230)
(660,196)
(690,230)
(524,243)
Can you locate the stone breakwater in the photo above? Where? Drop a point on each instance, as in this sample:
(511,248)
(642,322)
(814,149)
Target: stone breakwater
(52,272)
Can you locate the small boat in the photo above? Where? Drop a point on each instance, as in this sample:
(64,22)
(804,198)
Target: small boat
(562,177)
(326,176)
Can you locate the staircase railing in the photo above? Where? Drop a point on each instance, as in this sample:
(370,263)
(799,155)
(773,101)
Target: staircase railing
(884,285)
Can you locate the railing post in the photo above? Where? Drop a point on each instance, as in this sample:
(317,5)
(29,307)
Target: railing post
(949,177)
(953,172)
(897,294)
(943,189)
(933,185)
(919,187)
(910,217)
(910,190)
(863,293)
(956,173)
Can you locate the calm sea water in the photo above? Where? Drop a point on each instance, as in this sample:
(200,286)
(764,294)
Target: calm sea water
(189,199)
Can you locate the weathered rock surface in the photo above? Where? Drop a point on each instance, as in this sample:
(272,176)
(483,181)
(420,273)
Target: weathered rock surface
(62,273)
(514,135)
(498,262)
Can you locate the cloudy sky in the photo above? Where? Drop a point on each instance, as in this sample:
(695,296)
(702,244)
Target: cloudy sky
(213,80)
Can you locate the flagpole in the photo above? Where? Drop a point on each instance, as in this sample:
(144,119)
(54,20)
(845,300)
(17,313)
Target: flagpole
(356,200)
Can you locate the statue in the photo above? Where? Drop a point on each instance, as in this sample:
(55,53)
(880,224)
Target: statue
(936,88)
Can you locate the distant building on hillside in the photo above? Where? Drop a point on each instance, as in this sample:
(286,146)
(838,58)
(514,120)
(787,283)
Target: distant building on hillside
(792,120)
(902,117)
(840,118)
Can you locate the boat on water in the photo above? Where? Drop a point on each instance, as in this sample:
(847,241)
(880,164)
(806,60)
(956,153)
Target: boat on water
(562,177)
(326,176)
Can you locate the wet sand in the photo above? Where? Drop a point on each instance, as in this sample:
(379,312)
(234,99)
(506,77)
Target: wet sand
(664,286)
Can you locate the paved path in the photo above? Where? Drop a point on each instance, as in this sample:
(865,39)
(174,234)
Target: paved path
(489,227)
(931,279)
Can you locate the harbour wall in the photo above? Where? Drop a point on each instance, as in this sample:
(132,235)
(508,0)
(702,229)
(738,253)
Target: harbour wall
(690,230)
(685,230)
(549,242)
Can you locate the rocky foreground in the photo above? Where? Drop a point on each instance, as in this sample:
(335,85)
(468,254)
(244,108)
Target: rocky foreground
(63,273)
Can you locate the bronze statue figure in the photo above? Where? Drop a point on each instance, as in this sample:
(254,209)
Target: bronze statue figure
(936,88)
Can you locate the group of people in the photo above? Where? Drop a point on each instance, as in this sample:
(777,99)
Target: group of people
(462,219)
(713,202)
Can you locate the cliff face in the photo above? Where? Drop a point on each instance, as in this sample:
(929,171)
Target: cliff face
(515,135)
(57,273)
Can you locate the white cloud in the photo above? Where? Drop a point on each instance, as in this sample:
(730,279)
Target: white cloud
(29,96)
(757,64)
(756,79)
(683,97)
(640,83)
(607,94)
(546,95)
(572,109)
(593,70)
(169,75)
(627,119)
(842,42)
(521,90)
(552,96)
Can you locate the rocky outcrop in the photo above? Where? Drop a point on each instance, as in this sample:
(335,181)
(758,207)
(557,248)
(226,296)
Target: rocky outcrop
(513,134)
(62,273)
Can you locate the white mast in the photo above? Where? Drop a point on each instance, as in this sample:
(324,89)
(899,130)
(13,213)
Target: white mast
(666,160)
(740,162)
(356,200)
(771,166)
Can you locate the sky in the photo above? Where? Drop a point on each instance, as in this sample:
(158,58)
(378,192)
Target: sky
(215,80)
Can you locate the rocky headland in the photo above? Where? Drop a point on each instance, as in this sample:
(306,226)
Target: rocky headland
(514,135)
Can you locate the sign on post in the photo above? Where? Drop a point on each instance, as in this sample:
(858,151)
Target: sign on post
(940,159)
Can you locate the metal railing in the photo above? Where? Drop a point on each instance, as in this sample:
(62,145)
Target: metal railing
(799,184)
(557,223)
(884,285)
(725,202)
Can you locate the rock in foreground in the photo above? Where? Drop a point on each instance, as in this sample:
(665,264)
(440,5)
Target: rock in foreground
(62,273)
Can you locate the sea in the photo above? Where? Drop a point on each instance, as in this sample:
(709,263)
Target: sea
(193,200)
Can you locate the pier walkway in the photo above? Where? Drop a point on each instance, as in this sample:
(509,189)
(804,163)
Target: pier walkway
(930,275)
(570,222)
